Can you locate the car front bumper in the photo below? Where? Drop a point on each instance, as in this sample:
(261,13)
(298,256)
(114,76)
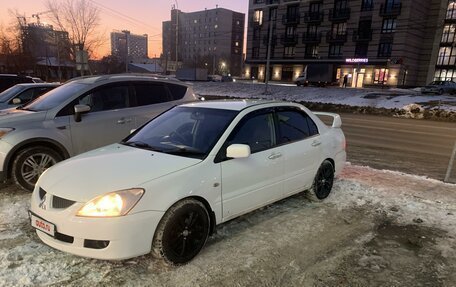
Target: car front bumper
(126,236)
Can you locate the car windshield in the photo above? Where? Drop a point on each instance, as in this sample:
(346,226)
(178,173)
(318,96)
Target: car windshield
(183,131)
(7,94)
(54,97)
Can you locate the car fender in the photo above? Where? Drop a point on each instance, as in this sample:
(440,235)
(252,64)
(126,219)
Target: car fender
(202,180)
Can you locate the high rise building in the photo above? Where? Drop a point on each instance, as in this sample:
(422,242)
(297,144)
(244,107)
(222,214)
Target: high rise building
(212,39)
(125,44)
(373,42)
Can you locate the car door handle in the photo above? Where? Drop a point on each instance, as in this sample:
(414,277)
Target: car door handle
(316,143)
(275,156)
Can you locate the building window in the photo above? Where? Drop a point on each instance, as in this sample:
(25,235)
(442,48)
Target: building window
(291,30)
(311,51)
(292,12)
(272,13)
(312,29)
(384,49)
(445,75)
(367,5)
(335,50)
(447,56)
(381,76)
(255,52)
(289,51)
(389,25)
(361,49)
(449,32)
(315,7)
(258,17)
(451,11)
(340,4)
(339,28)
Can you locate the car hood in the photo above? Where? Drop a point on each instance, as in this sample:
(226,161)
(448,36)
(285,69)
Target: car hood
(111,168)
(13,116)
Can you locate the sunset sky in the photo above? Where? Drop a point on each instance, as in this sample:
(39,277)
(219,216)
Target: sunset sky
(138,16)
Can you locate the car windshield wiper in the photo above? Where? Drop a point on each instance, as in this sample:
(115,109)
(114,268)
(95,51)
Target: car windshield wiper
(185,150)
(22,108)
(143,145)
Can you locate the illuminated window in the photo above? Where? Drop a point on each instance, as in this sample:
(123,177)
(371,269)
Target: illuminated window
(451,11)
(381,76)
(258,17)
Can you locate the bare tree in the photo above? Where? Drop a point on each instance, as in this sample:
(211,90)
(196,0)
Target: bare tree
(80,18)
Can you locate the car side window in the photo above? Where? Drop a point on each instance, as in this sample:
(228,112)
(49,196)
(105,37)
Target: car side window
(177,91)
(295,126)
(25,96)
(151,93)
(257,131)
(106,98)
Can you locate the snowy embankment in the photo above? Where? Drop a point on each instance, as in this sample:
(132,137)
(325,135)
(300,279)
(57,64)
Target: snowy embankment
(375,227)
(405,103)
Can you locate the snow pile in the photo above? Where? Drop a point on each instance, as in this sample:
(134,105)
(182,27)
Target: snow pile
(260,248)
(377,98)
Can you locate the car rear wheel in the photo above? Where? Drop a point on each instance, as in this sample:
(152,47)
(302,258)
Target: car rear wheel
(324,180)
(30,163)
(182,232)
(441,92)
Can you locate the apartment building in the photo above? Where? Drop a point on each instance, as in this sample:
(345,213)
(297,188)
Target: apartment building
(124,43)
(373,42)
(211,39)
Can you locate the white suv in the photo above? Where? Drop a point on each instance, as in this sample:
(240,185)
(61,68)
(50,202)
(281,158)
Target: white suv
(81,115)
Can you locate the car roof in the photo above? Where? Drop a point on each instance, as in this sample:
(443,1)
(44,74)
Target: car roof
(39,85)
(235,105)
(127,76)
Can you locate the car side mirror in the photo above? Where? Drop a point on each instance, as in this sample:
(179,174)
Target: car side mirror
(132,131)
(238,151)
(79,110)
(17,101)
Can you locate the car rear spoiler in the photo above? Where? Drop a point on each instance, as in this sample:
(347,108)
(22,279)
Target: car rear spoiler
(337,121)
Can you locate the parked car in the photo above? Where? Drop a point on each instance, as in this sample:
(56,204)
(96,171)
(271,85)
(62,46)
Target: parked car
(440,87)
(21,94)
(168,184)
(227,79)
(78,116)
(9,80)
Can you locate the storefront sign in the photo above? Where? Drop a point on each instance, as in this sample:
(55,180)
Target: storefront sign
(356,60)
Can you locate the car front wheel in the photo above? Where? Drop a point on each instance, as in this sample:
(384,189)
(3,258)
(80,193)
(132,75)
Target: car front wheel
(182,232)
(324,180)
(30,163)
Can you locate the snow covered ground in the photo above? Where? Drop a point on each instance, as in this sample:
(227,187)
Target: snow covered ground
(377,98)
(377,228)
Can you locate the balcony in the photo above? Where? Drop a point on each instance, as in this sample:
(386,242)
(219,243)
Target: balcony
(313,17)
(390,10)
(364,35)
(289,40)
(339,14)
(311,38)
(272,2)
(336,37)
(291,19)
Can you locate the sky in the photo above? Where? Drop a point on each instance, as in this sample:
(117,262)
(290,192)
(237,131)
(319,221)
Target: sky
(137,16)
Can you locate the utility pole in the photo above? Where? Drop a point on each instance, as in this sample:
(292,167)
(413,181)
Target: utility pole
(268,60)
(127,50)
(177,33)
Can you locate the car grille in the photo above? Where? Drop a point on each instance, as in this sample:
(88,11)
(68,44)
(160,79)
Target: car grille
(60,203)
(57,202)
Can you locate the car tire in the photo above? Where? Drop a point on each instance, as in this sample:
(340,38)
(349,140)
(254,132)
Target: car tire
(323,181)
(298,84)
(30,163)
(187,225)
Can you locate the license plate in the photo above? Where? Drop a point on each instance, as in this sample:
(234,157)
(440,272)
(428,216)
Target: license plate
(42,225)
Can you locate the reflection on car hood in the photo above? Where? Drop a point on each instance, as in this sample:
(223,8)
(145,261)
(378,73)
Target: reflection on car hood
(111,168)
(13,115)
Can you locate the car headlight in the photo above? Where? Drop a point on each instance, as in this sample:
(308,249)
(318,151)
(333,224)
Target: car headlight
(4,131)
(113,204)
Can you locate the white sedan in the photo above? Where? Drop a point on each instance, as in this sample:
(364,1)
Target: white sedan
(166,186)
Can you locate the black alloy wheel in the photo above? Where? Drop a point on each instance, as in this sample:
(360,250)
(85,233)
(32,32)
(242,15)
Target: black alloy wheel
(324,180)
(182,232)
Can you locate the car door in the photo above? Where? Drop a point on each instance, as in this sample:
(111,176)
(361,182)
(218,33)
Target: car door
(301,148)
(150,99)
(248,183)
(108,121)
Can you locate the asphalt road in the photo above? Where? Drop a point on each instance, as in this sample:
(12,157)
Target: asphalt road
(413,146)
